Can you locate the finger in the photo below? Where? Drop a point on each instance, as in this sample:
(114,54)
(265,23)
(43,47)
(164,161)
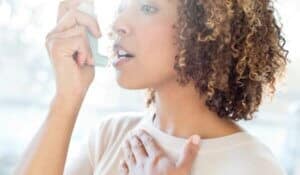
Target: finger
(74,45)
(65,6)
(62,9)
(75,17)
(73,32)
(123,168)
(137,148)
(189,153)
(129,156)
(151,147)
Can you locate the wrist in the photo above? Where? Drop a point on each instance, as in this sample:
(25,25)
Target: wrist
(69,98)
(66,104)
(70,94)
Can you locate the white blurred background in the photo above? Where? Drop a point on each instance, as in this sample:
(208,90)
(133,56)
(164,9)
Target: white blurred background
(27,85)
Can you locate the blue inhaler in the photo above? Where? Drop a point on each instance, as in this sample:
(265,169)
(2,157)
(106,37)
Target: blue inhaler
(99,60)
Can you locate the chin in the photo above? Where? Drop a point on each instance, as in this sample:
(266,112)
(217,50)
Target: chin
(129,83)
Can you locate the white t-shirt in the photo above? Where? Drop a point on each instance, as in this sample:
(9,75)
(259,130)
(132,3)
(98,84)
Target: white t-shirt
(235,154)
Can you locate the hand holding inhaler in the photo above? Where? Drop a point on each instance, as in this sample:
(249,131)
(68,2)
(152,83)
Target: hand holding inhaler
(72,47)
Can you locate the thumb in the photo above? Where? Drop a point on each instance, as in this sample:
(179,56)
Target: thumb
(189,153)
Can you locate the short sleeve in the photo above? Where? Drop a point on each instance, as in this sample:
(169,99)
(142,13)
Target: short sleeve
(88,153)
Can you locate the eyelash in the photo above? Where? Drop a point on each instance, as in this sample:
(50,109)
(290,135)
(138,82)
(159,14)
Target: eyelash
(148,6)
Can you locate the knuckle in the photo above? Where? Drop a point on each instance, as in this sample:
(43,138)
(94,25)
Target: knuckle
(141,165)
(47,41)
(62,4)
(81,30)
(130,157)
(136,146)
(154,161)
(53,46)
(122,163)
(125,146)
(149,139)
(48,36)
(72,12)
(140,144)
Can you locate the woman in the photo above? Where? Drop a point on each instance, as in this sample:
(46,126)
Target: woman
(205,64)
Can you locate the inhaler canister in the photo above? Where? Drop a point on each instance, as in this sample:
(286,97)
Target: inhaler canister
(99,60)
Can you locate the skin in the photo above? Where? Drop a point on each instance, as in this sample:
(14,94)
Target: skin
(144,156)
(150,38)
(142,25)
(180,111)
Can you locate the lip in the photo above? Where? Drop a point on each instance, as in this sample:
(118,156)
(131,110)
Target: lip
(117,47)
(118,62)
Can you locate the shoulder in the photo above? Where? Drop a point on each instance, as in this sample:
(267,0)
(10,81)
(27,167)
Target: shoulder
(117,123)
(254,157)
(109,130)
(120,121)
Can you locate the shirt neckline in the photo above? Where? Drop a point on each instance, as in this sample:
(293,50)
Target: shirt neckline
(207,145)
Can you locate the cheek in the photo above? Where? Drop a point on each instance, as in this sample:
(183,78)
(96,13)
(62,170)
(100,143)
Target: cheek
(158,50)
(155,51)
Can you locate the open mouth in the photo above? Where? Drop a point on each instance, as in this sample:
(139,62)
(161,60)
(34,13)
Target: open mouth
(123,54)
(122,59)
(120,52)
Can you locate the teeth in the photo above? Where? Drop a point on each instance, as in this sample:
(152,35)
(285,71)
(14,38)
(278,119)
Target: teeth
(122,52)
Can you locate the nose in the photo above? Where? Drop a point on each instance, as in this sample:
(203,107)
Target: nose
(120,26)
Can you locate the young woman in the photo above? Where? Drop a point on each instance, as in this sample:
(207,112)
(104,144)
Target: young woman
(206,64)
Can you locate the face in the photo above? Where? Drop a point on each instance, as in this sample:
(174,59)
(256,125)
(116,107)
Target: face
(145,28)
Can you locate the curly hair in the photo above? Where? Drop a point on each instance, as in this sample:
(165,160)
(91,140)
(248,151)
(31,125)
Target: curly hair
(233,51)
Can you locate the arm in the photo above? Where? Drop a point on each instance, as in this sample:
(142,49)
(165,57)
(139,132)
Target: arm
(70,55)
(46,154)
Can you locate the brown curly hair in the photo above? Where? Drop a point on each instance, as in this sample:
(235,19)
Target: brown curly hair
(234,52)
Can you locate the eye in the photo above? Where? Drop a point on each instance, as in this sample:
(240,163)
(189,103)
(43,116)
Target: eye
(148,8)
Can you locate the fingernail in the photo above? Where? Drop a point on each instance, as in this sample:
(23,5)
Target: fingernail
(196,139)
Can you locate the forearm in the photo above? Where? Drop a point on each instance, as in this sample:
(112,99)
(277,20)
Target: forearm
(47,152)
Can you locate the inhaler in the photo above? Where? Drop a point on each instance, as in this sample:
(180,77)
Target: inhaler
(99,59)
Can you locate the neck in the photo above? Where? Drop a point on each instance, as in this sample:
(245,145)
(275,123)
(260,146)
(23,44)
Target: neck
(181,112)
